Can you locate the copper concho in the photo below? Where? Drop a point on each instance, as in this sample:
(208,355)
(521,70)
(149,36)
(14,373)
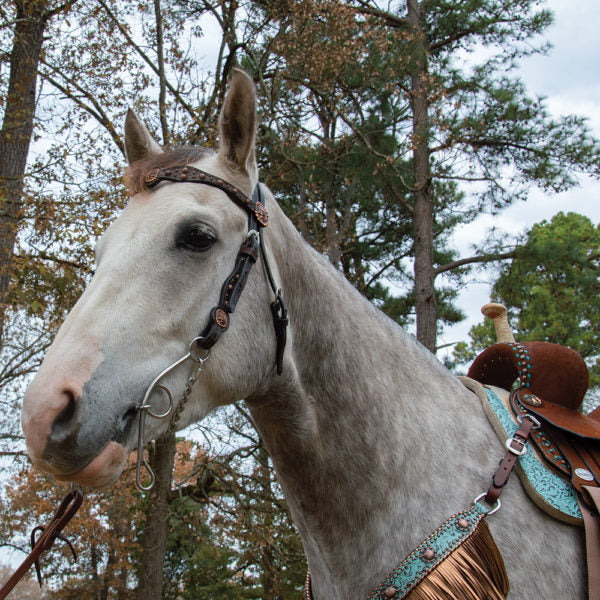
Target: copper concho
(261,214)
(531,400)
(221,318)
(152,175)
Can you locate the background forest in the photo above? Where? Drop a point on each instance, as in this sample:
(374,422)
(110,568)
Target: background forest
(383,127)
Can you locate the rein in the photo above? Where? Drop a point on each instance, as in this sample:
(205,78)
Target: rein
(219,317)
(49,534)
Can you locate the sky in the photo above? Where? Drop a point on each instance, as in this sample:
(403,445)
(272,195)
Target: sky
(569,77)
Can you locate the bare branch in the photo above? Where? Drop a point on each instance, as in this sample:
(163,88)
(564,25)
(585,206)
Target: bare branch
(146,58)
(484,258)
(94,108)
(390,19)
(162,109)
(62,7)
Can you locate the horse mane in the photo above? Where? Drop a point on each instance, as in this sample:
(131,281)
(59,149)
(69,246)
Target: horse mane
(134,174)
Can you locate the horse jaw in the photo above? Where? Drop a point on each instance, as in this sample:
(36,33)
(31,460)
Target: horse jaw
(103,471)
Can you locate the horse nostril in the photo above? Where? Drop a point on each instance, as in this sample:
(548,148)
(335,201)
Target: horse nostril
(67,413)
(67,422)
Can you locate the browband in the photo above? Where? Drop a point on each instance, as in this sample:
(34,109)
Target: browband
(192,175)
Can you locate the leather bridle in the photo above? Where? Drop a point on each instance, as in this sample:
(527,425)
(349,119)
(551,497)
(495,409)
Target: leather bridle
(219,317)
(258,218)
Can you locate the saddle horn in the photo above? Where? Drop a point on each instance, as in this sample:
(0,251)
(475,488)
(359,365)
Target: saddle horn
(497,312)
(551,371)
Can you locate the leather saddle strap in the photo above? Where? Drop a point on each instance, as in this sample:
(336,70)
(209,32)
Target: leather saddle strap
(583,457)
(541,438)
(591,520)
(516,447)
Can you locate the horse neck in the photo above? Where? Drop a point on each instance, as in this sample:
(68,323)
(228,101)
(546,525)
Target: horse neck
(341,421)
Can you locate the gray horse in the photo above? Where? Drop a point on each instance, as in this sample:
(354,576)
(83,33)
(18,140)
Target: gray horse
(374,442)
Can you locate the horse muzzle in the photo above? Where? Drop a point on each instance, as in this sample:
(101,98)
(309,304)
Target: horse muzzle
(74,433)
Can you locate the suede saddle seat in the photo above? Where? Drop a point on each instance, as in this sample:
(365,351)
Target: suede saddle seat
(552,382)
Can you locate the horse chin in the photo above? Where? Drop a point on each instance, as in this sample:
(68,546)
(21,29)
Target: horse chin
(103,471)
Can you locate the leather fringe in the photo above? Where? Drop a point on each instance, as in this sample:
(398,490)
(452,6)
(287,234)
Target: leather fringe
(474,571)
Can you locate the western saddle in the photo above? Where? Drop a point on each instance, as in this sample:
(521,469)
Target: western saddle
(552,381)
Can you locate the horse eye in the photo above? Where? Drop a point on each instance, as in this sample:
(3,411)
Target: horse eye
(197,237)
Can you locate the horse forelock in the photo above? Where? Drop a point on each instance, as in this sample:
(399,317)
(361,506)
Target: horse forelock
(135,173)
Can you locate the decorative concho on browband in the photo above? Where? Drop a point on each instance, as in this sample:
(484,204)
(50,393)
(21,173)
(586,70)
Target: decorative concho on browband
(192,175)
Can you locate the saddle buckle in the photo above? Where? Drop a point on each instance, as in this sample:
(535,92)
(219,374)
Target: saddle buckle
(516,451)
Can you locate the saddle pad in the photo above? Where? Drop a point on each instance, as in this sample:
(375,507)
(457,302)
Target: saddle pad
(553,494)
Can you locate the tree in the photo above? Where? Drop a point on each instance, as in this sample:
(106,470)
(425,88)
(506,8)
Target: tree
(156,526)
(462,120)
(30,21)
(24,25)
(17,125)
(551,289)
(371,129)
(248,547)
(53,257)
(335,156)
(26,589)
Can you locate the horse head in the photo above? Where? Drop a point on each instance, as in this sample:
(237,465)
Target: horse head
(160,269)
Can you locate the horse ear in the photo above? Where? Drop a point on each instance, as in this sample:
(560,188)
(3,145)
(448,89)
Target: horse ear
(237,125)
(139,143)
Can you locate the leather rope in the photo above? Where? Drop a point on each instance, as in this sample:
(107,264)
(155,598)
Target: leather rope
(49,534)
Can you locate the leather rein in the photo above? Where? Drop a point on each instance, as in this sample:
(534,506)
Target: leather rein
(49,534)
(219,317)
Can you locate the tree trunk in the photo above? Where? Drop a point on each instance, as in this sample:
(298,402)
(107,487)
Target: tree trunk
(17,127)
(154,546)
(269,577)
(425,300)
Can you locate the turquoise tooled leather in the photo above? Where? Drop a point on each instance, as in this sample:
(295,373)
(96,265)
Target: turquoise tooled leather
(552,489)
